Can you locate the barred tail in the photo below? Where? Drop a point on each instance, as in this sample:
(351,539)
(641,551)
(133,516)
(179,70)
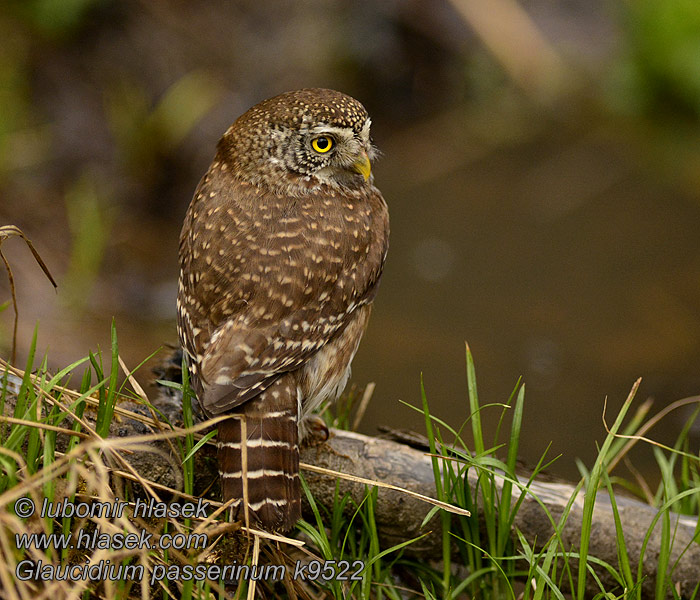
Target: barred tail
(263,473)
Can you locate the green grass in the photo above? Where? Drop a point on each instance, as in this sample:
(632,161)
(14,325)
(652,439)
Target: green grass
(482,556)
(487,547)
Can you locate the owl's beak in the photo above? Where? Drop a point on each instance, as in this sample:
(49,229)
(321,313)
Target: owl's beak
(363,166)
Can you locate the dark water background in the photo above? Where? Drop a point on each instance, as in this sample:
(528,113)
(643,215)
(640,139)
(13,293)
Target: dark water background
(544,198)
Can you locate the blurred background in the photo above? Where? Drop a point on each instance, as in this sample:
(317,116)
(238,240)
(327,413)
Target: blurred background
(541,164)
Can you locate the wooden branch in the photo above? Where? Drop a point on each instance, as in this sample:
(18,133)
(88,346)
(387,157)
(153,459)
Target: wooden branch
(399,516)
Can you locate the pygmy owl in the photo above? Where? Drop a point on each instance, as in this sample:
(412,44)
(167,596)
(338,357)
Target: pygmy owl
(281,253)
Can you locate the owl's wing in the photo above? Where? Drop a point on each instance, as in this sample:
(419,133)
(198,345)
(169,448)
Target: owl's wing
(269,281)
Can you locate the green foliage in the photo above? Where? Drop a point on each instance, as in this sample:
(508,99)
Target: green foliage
(660,70)
(337,537)
(144,133)
(489,557)
(555,570)
(16,148)
(188,421)
(55,18)
(90,222)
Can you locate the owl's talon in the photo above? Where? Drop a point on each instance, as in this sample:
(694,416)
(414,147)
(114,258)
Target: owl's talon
(316,431)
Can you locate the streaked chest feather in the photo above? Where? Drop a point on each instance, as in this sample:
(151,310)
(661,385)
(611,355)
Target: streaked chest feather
(324,376)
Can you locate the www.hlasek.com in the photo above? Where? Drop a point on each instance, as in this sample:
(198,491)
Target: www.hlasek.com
(102,570)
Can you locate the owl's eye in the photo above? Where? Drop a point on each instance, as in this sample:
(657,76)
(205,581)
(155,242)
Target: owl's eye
(322,144)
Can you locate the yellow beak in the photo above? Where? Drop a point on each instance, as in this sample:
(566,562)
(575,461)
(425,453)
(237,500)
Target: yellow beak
(363,166)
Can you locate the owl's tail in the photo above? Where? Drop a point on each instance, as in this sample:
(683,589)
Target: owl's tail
(262,475)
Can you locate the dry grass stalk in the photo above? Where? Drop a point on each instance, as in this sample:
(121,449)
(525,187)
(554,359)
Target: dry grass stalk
(8,231)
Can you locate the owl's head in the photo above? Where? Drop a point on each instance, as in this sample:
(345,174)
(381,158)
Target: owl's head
(301,139)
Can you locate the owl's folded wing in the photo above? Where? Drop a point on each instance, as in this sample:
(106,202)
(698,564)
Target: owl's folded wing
(276,289)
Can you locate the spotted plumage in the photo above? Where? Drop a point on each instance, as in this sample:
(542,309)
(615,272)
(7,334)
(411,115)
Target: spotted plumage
(281,254)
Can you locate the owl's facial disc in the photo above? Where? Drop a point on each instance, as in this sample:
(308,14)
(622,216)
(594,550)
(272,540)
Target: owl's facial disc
(338,154)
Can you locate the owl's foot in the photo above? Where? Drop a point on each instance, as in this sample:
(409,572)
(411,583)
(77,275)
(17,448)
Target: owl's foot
(316,431)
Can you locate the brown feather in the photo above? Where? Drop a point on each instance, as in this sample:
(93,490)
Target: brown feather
(260,309)
(271,466)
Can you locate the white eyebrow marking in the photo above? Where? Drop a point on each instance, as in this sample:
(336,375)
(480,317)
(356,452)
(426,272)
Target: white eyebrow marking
(364,132)
(341,133)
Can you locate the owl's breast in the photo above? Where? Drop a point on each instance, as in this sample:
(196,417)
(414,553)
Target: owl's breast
(325,374)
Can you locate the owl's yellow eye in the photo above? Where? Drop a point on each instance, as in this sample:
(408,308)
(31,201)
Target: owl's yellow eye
(322,144)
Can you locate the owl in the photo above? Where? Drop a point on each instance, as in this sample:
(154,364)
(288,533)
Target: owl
(281,253)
